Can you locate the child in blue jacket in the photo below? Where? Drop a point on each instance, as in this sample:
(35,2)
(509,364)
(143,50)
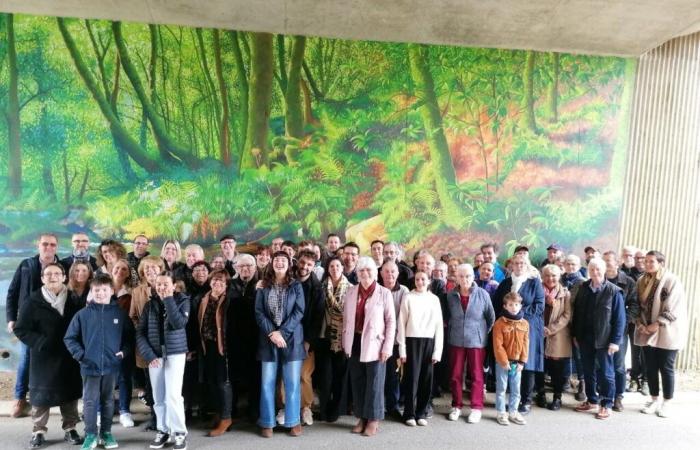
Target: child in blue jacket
(100,336)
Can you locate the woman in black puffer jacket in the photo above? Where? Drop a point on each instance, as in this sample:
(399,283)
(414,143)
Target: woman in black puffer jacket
(162,341)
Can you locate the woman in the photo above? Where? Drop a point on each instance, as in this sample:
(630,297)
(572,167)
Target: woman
(369,325)
(452,273)
(522,281)
(661,328)
(420,347)
(79,277)
(470,318)
(121,280)
(110,251)
(54,376)
(557,350)
(192,390)
(330,359)
(149,269)
(218,262)
(485,280)
(572,272)
(162,341)
(171,254)
(211,318)
(279,308)
(571,279)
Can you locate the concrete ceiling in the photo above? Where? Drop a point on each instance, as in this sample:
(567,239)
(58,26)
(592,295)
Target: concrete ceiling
(608,27)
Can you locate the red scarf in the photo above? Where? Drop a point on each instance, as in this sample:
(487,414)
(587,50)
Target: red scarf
(362,296)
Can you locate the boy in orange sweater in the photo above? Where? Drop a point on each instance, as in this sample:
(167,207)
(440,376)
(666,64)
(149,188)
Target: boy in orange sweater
(510,346)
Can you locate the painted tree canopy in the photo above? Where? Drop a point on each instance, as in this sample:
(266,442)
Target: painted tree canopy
(189,133)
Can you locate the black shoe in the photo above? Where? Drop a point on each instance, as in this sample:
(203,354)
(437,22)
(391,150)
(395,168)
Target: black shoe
(617,405)
(37,440)
(524,409)
(581,394)
(72,437)
(180,441)
(541,400)
(160,440)
(555,405)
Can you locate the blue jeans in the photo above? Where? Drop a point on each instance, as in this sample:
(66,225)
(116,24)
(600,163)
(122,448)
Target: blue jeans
(620,369)
(126,385)
(599,374)
(22,383)
(505,380)
(97,400)
(291,377)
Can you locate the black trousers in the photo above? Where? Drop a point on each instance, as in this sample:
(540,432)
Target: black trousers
(191,387)
(528,380)
(217,383)
(245,375)
(419,377)
(660,360)
(330,368)
(558,370)
(367,381)
(638,369)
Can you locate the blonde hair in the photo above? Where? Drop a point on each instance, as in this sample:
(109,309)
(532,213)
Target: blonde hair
(178,251)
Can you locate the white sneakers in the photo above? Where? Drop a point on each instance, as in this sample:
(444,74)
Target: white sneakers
(474,416)
(411,422)
(517,418)
(126,420)
(307,417)
(659,407)
(280,417)
(502,419)
(422,422)
(454,414)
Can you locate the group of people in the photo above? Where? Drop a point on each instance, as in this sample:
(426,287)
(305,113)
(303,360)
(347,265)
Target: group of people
(373,335)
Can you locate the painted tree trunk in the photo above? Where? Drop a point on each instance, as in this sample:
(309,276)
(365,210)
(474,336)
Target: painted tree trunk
(224,139)
(554,89)
(294,113)
(259,100)
(440,158)
(14,160)
(528,105)
(242,79)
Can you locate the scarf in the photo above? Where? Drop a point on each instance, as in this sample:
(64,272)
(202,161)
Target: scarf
(647,286)
(362,296)
(510,316)
(550,294)
(517,282)
(57,301)
(334,312)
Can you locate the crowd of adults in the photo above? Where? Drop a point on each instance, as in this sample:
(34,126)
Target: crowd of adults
(258,335)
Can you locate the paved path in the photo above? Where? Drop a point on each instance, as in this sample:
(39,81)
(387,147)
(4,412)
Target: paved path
(562,430)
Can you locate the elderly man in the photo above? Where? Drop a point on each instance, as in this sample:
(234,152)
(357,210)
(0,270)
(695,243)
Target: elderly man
(598,327)
(228,250)
(27,279)
(242,335)
(554,252)
(392,251)
(81,252)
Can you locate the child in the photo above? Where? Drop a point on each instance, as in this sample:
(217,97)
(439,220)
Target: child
(100,336)
(510,346)
(162,341)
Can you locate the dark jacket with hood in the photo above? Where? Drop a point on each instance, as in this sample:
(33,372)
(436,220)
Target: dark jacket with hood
(161,330)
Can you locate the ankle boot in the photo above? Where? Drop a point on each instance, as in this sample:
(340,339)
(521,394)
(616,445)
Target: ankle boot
(221,428)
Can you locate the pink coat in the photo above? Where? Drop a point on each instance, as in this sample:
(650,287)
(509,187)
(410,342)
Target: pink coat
(379,328)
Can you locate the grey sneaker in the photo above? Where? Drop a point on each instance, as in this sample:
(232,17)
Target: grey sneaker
(180,441)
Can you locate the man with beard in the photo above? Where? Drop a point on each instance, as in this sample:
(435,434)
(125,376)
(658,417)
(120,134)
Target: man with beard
(81,252)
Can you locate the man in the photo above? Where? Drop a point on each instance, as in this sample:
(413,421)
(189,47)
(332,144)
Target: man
(228,250)
(554,252)
(289,247)
(331,250)
(440,271)
(490,252)
(312,247)
(377,250)
(312,321)
(276,245)
(393,252)
(638,370)
(590,253)
(639,258)
(350,255)
(262,258)
(629,294)
(242,335)
(81,252)
(27,279)
(134,258)
(598,326)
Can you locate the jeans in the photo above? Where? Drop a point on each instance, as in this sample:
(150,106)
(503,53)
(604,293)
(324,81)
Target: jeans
(126,385)
(505,380)
(599,374)
(660,360)
(168,403)
(392,385)
(22,383)
(97,399)
(620,369)
(291,377)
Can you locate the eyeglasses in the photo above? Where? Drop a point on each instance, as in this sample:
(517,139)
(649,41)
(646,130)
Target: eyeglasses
(49,244)
(246,265)
(80,241)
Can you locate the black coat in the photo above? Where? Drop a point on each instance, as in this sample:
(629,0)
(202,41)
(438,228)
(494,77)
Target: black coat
(54,376)
(161,330)
(68,261)
(241,327)
(26,280)
(314,308)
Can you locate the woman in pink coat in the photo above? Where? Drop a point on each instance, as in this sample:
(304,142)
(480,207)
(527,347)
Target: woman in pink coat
(369,327)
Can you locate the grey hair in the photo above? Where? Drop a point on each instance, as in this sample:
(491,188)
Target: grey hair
(468,268)
(243,257)
(365,262)
(574,259)
(630,248)
(441,265)
(397,246)
(552,268)
(598,262)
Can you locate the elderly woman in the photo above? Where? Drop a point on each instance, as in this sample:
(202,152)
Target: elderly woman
(212,318)
(522,281)
(557,349)
(369,325)
(171,255)
(193,253)
(79,277)
(279,308)
(331,362)
(470,318)
(572,272)
(420,336)
(149,268)
(661,328)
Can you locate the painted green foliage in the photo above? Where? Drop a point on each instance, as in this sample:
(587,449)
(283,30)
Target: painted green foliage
(189,133)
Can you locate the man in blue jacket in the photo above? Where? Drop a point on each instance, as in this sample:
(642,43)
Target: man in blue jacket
(598,327)
(99,337)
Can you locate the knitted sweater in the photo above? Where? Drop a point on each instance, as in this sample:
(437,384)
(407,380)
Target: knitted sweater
(420,316)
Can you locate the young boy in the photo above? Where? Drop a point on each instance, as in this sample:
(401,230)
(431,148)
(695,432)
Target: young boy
(510,346)
(99,337)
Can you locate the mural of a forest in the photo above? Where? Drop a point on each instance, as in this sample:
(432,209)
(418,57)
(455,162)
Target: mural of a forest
(189,133)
